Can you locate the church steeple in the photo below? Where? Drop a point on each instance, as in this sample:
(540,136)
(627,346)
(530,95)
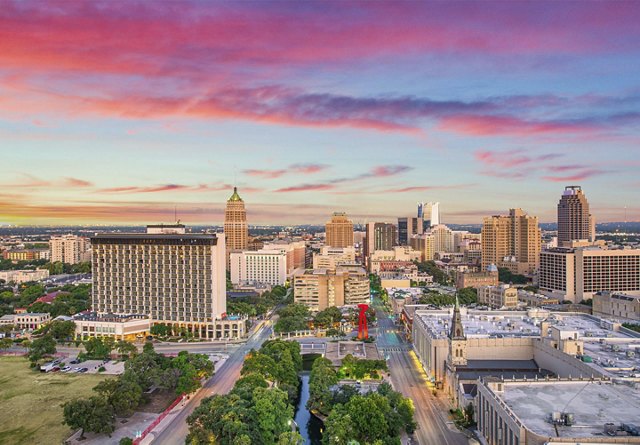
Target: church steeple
(457,330)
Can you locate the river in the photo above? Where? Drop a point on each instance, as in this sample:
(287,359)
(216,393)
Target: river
(309,426)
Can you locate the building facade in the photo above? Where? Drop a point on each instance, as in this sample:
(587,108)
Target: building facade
(339,231)
(618,305)
(319,289)
(576,274)
(512,241)
(26,254)
(332,257)
(575,222)
(296,252)
(477,279)
(177,279)
(23,276)
(379,236)
(70,249)
(236,230)
(262,266)
(501,296)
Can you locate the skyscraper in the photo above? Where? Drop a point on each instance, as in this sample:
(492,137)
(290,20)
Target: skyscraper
(407,227)
(575,223)
(380,236)
(339,231)
(431,213)
(235,224)
(512,241)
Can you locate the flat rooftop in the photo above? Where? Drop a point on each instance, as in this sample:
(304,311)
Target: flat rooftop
(480,324)
(592,403)
(587,326)
(615,359)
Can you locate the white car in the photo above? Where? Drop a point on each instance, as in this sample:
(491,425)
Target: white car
(66,369)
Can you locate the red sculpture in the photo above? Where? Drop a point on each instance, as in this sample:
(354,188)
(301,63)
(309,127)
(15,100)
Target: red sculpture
(363,331)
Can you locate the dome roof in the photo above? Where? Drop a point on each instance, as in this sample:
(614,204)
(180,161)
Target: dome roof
(235,196)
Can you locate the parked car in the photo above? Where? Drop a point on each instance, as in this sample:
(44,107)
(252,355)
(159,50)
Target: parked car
(83,370)
(66,369)
(53,369)
(75,361)
(77,369)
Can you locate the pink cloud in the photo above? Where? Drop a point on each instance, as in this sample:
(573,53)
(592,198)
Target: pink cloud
(75,182)
(578,176)
(479,125)
(306,188)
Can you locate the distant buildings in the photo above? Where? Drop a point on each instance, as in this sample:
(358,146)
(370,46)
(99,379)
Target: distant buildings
(501,296)
(407,228)
(236,230)
(26,254)
(379,236)
(576,274)
(512,241)
(332,257)
(262,266)
(23,276)
(429,213)
(174,278)
(322,288)
(575,223)
(29,321)
(339,231)
(477,279)
(296,252)
(70,249)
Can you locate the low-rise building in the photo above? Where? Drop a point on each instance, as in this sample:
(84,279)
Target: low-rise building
(121,327)
(477,279)
(26,254)
(619,305)
(535,300)
(29,321)
(23,276)
(501,296)
(563,411)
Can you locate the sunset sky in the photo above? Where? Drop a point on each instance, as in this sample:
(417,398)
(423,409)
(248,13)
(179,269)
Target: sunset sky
(116,112)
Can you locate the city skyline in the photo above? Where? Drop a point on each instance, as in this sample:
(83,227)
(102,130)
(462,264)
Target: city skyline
(315,108)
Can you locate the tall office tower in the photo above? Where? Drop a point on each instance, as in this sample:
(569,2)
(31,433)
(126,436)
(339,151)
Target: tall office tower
(575,223)
(379,236)
(235,224)
(512,241)
(443,238)
(407,227)
(339,231)
(70,249)
(175,278)
(431,213)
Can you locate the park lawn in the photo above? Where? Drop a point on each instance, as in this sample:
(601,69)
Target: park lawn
(30,411)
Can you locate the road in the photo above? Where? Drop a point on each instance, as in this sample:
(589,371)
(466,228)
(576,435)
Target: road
(409,378)
(222,382)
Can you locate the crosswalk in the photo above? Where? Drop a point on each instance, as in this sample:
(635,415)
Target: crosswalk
(395,348)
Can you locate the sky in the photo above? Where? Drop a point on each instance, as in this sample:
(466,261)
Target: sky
(121,112)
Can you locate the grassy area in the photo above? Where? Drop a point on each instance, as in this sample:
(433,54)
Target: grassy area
(30,402)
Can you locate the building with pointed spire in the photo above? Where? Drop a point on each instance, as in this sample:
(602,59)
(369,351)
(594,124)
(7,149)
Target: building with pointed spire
(458,341)
(235,224)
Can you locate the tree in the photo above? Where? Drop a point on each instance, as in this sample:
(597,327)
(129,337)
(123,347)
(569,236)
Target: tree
(94,415)
(45,345)
(468,295)
(273,413)
(99,348)
(160,329)
(290,438)
(61,330)
(126,441)
(6,343)
(126,349)
(124,395)
(506,276)
(322,377)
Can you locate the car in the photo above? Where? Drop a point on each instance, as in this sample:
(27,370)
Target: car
(66,369)
(53,369)
(77,369)
(75,361)
(83,370)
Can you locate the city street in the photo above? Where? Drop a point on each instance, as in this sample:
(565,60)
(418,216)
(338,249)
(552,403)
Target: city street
(409,378)
(221,383)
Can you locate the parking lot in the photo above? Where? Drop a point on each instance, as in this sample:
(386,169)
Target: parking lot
(88,366)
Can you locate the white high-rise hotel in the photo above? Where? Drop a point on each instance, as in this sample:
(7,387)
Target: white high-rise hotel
(171,276)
